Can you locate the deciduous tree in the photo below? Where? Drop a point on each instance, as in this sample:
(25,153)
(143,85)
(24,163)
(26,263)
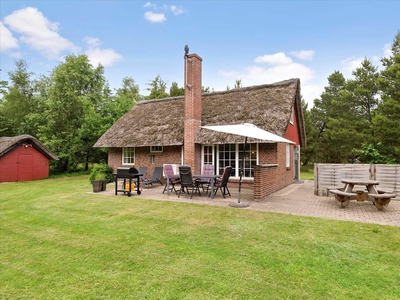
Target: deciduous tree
(18,103)
(157,89)
(73,107)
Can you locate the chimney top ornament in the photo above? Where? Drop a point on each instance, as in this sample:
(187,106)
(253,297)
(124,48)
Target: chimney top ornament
(186,50)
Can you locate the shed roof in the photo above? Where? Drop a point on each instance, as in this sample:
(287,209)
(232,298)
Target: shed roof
(160,122)
(7,144)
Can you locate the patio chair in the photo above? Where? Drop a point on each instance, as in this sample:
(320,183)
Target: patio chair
(143,170)
(207,170)
(155,177)
(171,179)
(186,177)
(222,184)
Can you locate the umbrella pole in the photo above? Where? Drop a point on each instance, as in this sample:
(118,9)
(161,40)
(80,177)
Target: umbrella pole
(241,170)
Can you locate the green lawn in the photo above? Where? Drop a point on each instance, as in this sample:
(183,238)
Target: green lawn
(307,172)
(59,242)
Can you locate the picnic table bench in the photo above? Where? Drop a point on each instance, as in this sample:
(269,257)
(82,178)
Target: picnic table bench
(379,198)
(382,200)
(343,197)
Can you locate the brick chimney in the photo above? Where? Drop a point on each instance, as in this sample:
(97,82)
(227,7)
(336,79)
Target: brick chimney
(192,111)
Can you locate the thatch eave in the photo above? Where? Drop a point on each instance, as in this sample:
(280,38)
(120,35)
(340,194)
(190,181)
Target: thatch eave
(8,144)
(159,122)
(156,122)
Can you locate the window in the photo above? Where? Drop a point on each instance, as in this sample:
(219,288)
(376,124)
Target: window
(292,116)
(128,156)
(250,159)
(227,155)
(156,149)
(287,156)
(208,155)
(232,155)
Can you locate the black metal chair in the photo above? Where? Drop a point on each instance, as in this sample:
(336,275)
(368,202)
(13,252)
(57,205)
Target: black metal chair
(185,173)
(222,184)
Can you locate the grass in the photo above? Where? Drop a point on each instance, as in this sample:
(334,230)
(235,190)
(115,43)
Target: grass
(307,172)
(60,242)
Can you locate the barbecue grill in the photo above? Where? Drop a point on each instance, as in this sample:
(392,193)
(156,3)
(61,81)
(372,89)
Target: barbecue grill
(129,175)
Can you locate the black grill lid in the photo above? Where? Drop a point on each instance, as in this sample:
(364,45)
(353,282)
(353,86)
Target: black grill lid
(127,170)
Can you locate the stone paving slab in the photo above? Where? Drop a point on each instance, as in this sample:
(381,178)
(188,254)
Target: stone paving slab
(296,199)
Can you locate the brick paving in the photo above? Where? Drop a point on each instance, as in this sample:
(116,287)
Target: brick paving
(296,199)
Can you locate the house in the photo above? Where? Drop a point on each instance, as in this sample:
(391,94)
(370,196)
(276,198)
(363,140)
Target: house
(23,158)
(168,131)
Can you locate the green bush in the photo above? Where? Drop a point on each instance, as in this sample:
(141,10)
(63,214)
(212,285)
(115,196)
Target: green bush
(100,172)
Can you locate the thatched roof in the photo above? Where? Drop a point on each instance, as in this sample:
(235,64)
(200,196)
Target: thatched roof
(8,144)
(160,122)
(149,123)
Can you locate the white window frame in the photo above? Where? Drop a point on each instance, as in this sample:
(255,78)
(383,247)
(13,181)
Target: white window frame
(237,160)
(203,162)
(128,155)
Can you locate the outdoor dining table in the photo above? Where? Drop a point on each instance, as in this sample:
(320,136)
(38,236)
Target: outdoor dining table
(369,184)
(212,182)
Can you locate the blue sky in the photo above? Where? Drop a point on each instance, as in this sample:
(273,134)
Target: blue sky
(256,41)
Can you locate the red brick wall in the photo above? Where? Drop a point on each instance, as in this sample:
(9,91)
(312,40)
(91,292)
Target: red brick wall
(267,153)
(270,177)
(193,110)
(143,158)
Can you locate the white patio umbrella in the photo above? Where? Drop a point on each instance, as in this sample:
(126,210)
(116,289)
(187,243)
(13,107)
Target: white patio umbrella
(247,130)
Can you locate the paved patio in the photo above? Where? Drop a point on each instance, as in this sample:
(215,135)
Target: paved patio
(296,199)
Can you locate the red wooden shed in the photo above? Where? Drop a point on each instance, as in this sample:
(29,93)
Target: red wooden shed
(23,158)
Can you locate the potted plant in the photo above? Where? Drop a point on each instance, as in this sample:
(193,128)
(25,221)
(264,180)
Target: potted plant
(99,177)
(98,183)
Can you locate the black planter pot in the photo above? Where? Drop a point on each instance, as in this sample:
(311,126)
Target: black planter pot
(97,186)
(104,185)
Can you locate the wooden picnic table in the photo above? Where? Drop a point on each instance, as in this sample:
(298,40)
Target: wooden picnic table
(380,200)
(369,184)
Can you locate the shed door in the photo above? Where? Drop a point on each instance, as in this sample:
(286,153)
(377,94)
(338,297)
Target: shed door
(25,167)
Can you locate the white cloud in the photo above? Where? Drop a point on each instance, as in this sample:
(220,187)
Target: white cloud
(281,67)
(38,32)
(154,17)
(106,57)
(274,59)
(151,5)
(311,92)
(304,54)
(387,50)
(92,42)
(228,74)
(157,13)
(7,40)
(260,75)
(176,10)
(352,63)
